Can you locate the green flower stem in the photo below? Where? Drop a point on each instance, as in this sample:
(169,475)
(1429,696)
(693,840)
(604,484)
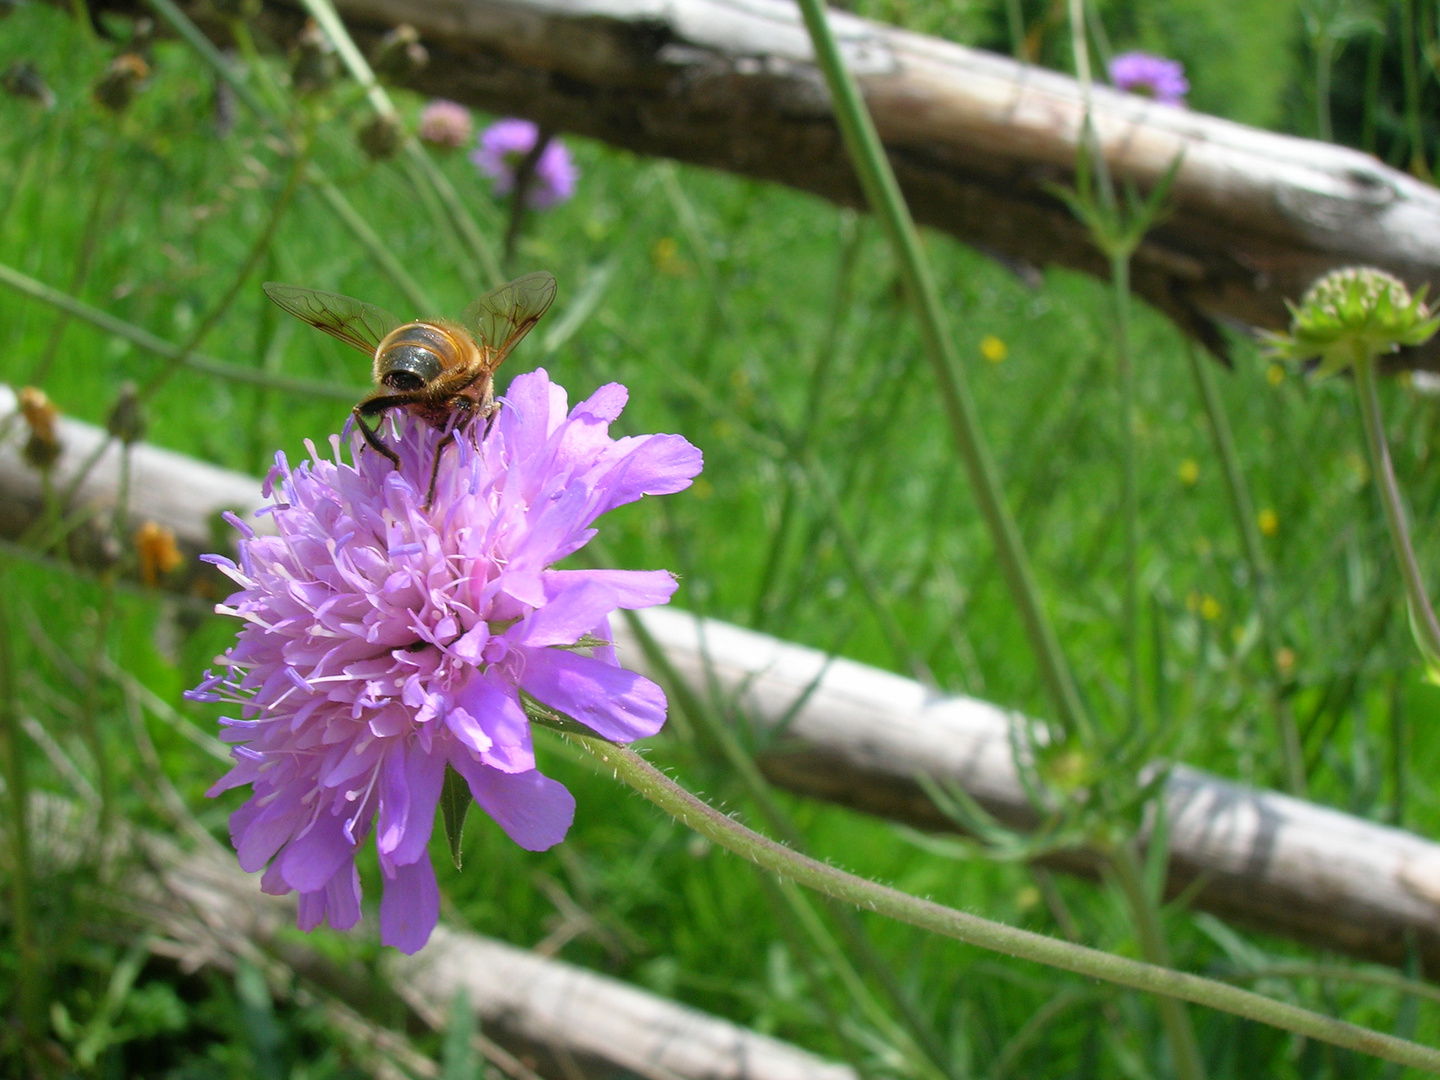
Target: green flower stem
(258,250)
(29,992)
(632,769)
(916,1034)
(1422,615)
(1130,484)
(882,192)
(324,13)
(1243,508)
(351,218)
(1125,865)
(206,365)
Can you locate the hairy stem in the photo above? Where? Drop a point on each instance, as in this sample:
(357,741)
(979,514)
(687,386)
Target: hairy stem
(635,771)
(1125,865)
(1422,616)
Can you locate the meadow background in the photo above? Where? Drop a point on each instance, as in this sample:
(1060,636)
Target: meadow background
(769,329)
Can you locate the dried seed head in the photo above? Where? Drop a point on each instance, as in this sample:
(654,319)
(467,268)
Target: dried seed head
(23,80)
(116,89)
(380,138)
(127,418)
(313,66)
(159,555)
(43,447)
(1356,311)
(399,54)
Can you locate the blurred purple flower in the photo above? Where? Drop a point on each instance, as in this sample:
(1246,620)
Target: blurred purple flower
(1153,76)
(445,124)
(383,640)
(504,144)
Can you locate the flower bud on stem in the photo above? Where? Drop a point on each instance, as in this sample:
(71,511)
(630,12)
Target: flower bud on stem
(1350,318)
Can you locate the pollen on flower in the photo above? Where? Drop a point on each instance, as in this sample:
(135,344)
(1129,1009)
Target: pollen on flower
(385,639)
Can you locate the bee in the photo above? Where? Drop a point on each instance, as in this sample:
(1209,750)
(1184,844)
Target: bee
(441,371)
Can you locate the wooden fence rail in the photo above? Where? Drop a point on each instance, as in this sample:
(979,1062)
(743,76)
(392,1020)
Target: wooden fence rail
(977,140)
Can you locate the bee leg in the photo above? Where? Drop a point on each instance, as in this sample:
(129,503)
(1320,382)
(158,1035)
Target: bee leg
(460,405)
(372,437)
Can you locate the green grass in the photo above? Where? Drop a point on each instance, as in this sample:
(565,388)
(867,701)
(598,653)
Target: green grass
(717,333)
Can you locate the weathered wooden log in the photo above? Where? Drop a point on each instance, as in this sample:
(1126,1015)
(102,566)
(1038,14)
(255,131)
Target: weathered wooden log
(536,1014)
(977,140)
(860,736)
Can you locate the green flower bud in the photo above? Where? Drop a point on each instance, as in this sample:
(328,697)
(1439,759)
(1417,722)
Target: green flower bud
(1357,311)
(380,138)
(313,64)
(399,54)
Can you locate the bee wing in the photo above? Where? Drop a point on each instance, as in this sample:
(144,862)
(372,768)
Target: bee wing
(503,316)
(354,322)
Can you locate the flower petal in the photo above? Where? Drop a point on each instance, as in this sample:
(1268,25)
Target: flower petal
(613,702)
(311,860)
(409,907)
(633,589)
(534,810)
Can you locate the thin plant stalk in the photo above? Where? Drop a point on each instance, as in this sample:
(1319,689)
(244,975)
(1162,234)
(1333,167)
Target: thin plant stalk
(882,192)
(916,1033)
(632,769)
(88,237)
(258,251)
(851,237)
(206,365)
(351,218)
(1422,615)
(1130,486)
(1242,508)
(324,13)
(1125,865)
(1410,73)
(29,991)
(519,193)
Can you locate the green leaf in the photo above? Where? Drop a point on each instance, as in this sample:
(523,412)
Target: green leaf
(458,1060)
(454,805)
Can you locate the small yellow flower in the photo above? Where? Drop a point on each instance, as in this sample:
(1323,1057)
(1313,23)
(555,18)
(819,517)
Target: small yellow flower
(155,544)
(1268,521)
(1027,898)
(665,254)
(1285,661)
(1275,374)
(993,349)
(1189,472)
(1209,608)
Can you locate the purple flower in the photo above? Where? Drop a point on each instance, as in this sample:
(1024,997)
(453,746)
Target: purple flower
(1152,76)
(383,640)
(504,144)
(445,124)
